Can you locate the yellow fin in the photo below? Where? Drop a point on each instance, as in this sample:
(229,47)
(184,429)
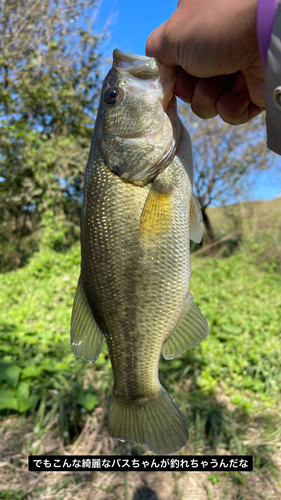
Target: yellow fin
(86,337)
(156,216)
(195,229)
(157,422)
(191,329)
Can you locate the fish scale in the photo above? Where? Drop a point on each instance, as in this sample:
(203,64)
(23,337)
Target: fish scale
(135,264)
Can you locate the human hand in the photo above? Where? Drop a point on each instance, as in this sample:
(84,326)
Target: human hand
(215,45)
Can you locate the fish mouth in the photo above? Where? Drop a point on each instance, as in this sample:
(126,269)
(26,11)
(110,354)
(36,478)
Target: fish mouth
(166,138)
(145,68)
(148,68)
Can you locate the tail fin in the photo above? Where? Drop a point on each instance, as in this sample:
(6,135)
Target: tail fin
(156,422)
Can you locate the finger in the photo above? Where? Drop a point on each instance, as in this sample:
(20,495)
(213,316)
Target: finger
(154,42)
(247,114)
(184,86)
(157,46)
(256,86)
(234,105)
(206,93)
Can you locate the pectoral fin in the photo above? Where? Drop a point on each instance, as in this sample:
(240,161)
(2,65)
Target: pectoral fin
(195,230)
(156,218)
(191,329)
(85,335)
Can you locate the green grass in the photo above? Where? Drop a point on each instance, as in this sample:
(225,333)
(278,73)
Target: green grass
(228,387)
(38,372)
(11,495)
(241,301)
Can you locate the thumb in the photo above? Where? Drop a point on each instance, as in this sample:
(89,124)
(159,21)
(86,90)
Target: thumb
(157,46)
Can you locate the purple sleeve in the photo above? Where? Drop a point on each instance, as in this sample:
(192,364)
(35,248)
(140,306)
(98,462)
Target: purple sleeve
(265,19)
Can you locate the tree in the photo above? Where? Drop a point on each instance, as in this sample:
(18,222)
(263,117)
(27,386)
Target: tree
(49,79)
(224,156)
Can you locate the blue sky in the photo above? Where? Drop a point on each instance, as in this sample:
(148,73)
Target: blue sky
(131,22)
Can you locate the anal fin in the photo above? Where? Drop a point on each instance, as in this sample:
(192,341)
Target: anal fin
(85,335)
(191,329)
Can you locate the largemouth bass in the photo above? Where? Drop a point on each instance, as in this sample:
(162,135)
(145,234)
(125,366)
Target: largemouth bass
(138,215)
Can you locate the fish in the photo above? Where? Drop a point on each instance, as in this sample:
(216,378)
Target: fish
(138,216)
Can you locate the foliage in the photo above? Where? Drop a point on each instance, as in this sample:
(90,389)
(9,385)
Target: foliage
(11,495)
(59,234)
(242,303)
(224,156)
(37,366)
(49,79)
(240,300)
(227,387)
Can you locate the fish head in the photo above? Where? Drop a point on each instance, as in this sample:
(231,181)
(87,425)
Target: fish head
(136,119)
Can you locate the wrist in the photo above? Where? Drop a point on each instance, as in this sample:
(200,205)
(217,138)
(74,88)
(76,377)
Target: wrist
(265,19)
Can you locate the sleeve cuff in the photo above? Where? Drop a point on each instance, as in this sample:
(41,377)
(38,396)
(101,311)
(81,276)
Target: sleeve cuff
(265,19)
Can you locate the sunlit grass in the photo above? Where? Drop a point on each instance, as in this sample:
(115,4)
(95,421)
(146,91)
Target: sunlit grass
(227,387)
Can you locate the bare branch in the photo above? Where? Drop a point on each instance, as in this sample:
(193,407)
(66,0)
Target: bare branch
(224,155)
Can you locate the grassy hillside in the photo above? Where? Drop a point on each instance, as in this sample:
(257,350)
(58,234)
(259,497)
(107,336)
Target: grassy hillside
(257,222)
(257,216)
(228,388)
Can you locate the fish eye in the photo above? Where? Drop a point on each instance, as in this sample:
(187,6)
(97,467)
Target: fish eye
(112,95)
